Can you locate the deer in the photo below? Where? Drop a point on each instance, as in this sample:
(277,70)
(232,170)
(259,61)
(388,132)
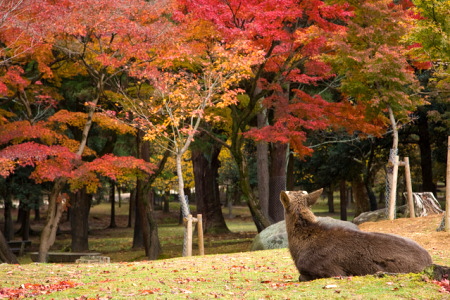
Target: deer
(321,251)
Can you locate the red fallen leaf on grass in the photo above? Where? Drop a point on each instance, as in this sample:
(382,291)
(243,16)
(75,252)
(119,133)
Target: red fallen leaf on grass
(444,284)
(149,292)
(32,289)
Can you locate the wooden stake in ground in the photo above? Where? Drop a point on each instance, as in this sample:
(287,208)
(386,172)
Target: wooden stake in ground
(393,189)
(189,235)
(188,224)
(201,247)
(447,191)
(412,213)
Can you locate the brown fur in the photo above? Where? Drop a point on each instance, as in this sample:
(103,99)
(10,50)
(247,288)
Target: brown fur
(322,251)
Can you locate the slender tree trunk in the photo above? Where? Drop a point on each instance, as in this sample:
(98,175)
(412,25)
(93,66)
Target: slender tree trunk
(79,220)
(8,229)
(138,236)
(330,199)
(37,212)
(290,176)
(9,224)
(112,199)
(278,155)
(261,221)
(343,200)
(262,149)
(132,208)
(206,166)
(56,206)
(6,255)
(392,155)
(25,227)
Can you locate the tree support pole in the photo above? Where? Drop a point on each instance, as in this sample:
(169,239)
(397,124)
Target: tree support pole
(189,235)
(447,191)
(412,213)
(201,246)
(393,189)
(188,224)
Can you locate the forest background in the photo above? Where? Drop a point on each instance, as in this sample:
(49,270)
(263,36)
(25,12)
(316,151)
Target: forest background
(253,97)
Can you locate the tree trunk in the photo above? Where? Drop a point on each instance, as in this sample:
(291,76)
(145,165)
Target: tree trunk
(144,205)
(79,220)
(330,199)
(25,224)
(261,221)
(149,227)
(278,162)
(9,224)
(290,176)
(426,162)
(56,205)
(138,236)
(6,255)
(262,149)
(8,229)
(206,166)
(360,196)
(132,208)
(343,200)
(392,155)
(112,199)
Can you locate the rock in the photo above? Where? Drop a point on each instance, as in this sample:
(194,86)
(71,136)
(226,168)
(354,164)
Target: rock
(275,236)
(377,215)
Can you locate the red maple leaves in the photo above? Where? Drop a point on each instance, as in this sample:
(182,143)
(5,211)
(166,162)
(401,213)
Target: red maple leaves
(33,289)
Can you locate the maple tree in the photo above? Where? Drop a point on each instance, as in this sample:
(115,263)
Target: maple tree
(98,46)
(173,110)
(374,62)
(293,35)
(429,38)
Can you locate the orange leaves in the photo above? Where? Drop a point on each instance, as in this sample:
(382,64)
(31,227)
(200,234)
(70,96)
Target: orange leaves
(181,99)
(120,169)
(50,161)
(29,290)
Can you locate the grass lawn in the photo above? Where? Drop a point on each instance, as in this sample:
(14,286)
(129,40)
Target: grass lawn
(251,275)
(228,271)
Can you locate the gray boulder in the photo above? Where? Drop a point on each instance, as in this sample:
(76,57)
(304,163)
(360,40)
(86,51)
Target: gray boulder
(275,236)
(378,215)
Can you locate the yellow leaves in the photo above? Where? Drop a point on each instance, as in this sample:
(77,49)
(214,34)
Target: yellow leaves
(5,114)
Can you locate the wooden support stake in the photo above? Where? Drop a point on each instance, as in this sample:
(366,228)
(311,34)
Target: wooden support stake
(201,246)
(189,236)
(412,213)
(393,189)
(447,191)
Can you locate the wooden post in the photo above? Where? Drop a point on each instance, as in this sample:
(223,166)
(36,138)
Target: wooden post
(393,189)
(201,247)
(412,213)
(447,191)
(189,235)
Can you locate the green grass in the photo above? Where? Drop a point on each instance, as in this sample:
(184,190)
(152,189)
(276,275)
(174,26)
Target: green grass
(252,275)
(233,274)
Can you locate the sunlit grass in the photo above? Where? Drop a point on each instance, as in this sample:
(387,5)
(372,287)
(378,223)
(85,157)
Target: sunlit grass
(252,275)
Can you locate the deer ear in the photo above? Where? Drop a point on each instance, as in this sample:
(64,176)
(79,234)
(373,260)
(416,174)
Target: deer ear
(312,197)
(284,198)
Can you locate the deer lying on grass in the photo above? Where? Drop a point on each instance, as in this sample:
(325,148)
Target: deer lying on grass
(322,251)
